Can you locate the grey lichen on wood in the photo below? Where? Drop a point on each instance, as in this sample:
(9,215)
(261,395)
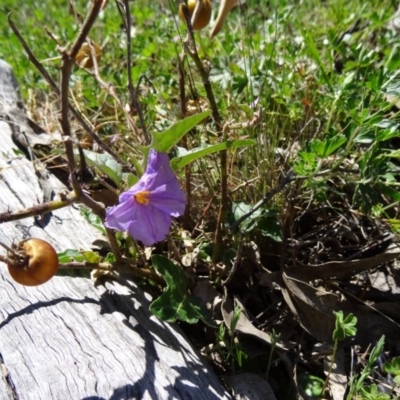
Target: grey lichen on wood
(68,339)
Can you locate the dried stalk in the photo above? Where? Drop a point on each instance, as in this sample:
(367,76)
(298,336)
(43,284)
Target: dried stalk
(191,49)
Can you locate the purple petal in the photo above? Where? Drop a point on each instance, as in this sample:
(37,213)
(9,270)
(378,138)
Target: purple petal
(157,161)
(150,226)
(119,217)
(150,222)
(170,200)
(158,171)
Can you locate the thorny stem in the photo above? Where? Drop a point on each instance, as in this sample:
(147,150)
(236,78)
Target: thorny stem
(40,209)
(117,266)
(191,49)
(68,60)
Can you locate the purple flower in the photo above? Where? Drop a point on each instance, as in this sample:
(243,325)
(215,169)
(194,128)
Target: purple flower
(145,210)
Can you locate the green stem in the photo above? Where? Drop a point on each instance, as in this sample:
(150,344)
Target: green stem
(270,359)
(335,347)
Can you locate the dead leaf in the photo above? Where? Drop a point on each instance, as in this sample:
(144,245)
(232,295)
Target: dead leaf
(340,269)
(313,307)
(85,54)
(210,298)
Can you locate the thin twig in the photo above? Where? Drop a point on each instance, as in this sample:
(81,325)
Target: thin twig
(191,49)
(188,168)
(68,61)
(132,92)
(289,178)
(236,263)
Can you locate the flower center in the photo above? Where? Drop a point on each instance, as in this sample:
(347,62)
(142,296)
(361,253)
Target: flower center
(142,197)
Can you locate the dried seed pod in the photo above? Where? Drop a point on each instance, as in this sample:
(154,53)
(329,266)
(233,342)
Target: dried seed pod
(84,57)
(204,15)
(36,262)
(224,8)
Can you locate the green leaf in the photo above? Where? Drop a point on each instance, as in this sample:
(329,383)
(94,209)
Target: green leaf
(240,209)
(91,257)
(365,196)
(376,351)
(70,255)
(393,366)
(394,88)
(306,163)
(235,318)
(247,110)
(129,179)
(324,148)
(349,79)
(179,162)
(175,303)
(345,327)
(110,258)
(372,393)
(315,54)
(165,141)
(269,225)
(106,164)
(92,218)
(389,191)
(262,220)
(311,384)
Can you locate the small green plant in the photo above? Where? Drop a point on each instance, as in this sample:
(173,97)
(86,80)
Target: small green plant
(312,385)
(227,346)
(356,384)
(274,340)
(344,327)
(393,367)
(175,303)
(371,393)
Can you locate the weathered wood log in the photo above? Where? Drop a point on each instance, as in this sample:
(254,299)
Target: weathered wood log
(68,339)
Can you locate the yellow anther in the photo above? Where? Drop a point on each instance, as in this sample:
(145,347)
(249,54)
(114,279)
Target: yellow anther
(142,197)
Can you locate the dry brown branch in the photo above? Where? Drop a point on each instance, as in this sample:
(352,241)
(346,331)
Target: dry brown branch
(204,71)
